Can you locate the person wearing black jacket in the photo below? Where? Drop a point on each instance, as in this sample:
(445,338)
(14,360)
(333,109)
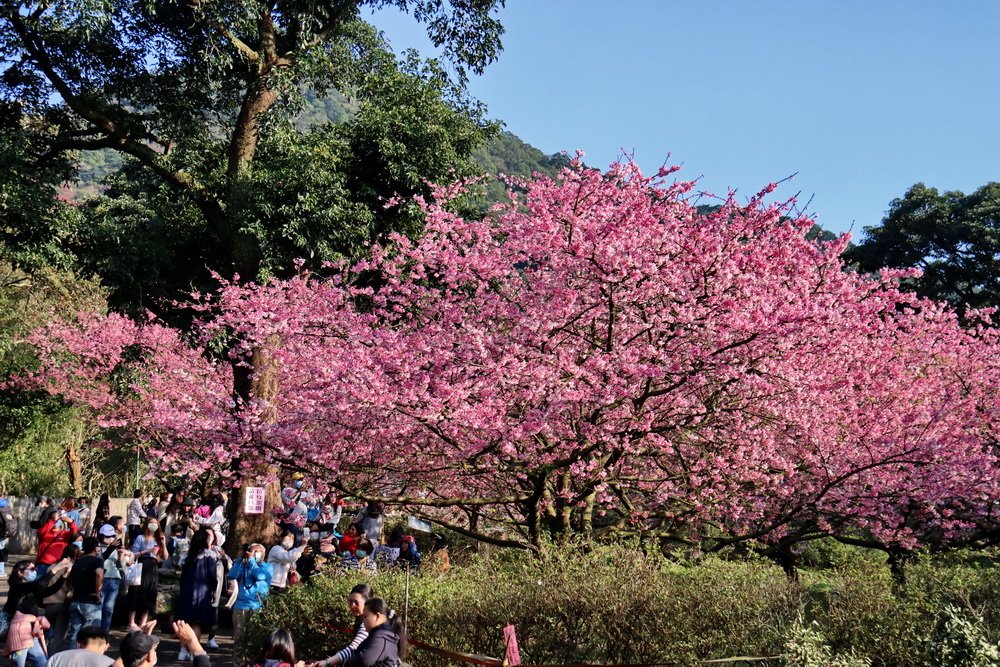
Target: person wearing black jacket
(23,581)
(385,644)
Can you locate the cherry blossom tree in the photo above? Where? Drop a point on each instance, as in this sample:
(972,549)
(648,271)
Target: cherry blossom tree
(593,356)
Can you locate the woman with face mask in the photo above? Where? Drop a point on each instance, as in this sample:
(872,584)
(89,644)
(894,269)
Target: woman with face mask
(24,580)
(149,548)
(56,605)
(253,583)
(294,502)
(283,556)
(111,534)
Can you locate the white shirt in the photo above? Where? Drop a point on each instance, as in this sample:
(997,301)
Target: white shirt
(135,514)
(79,657)
(281,560)
(214,521)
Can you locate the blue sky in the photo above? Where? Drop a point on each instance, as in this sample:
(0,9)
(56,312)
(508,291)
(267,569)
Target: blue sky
(862,99)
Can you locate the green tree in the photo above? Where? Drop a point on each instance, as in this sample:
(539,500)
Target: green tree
(201,97)
(43,440)
(952,237)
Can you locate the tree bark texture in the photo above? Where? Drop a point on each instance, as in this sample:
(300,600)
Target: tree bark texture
(261,384)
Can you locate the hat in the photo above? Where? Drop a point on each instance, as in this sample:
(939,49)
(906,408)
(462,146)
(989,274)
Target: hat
(135,646)
(107,530)
(298,475)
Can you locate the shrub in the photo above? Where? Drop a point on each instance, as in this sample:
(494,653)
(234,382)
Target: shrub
(806,647)
(614,604)
(961,642)
(610,605)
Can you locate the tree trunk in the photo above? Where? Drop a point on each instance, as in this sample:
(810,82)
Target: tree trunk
(260,384)
(73,460)
(786,559)
(565,508)
(897,567)
(587,519)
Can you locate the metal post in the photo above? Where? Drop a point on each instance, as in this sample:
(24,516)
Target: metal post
(406,598)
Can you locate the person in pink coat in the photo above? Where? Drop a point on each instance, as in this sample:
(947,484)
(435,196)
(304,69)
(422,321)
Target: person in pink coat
(26,637)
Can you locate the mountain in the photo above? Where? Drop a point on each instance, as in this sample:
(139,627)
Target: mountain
(505,154)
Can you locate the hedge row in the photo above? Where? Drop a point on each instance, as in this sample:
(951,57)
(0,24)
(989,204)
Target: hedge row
(614,605)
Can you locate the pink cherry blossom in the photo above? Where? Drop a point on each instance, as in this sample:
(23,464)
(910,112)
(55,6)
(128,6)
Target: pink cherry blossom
(593,355)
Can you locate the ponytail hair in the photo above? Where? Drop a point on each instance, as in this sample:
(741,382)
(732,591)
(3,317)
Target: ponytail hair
(378,606)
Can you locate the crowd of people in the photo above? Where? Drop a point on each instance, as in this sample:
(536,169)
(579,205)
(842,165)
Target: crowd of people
(61,605)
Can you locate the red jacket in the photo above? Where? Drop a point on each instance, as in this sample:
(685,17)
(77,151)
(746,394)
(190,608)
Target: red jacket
(52,542)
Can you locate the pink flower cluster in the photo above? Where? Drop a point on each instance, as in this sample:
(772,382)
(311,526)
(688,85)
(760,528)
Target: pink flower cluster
(594,346)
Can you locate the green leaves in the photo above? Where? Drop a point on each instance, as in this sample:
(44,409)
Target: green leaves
(952,237)
(200,102)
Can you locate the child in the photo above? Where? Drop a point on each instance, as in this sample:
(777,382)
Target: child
(26,637)
(178,545)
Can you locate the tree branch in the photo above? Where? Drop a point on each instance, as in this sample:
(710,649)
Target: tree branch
(116,137)
(242,47)
(488,539)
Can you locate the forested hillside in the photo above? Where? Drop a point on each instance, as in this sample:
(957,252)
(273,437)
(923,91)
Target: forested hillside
(506,153)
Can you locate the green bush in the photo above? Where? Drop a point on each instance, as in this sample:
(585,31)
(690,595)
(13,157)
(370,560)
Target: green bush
(961,642)
(807,647)
(611,605)
(616,605)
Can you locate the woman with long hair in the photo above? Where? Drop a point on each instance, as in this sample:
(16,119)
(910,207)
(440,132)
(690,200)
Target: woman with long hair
(103,511)
(24,580)
(278,650)
(199,583)
(149,548)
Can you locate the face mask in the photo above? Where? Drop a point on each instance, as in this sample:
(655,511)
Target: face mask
(287,543)
(30,575)
(298,484)
(323,535)
(313,536)
(154,526)
(258,556)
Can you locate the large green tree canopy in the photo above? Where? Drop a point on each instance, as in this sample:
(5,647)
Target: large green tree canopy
(954,238)
(201,96)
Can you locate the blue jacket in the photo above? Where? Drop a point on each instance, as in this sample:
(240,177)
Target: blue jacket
(253,581)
